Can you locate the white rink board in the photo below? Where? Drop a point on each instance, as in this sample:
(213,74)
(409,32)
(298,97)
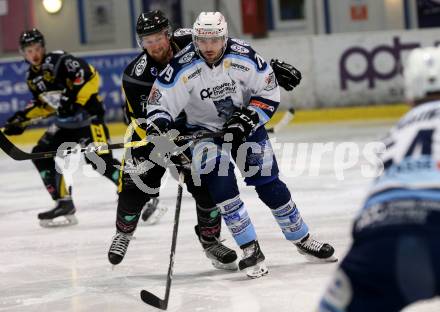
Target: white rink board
(320,59)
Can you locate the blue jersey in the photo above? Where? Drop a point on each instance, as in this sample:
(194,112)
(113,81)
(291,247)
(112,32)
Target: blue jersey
(408,191)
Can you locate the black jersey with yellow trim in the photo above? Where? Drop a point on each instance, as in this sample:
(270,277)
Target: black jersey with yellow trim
(61,71)
(139,76)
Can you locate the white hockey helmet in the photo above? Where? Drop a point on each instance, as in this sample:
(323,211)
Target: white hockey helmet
(210,25)
(422,73)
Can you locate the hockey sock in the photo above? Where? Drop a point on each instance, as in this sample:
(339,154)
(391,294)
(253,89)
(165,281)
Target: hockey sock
(53,181)
(130,204)
(276,195)
(111,167)
(224,192)
(237,219)
(209,223)
(55,184)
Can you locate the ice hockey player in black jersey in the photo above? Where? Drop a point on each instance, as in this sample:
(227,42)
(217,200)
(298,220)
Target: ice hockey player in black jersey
(159,46)
(67,87)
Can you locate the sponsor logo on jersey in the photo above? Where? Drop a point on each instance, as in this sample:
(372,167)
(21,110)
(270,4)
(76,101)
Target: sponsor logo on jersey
(240,67)
(186,58)
(154,97)
(195,73)
(262,105)
(78,80)
(48,76)
(271,82)
(239,49)
(241,42)
(72,65)
(141,65)
(220,91)
(154,71)
(48,63)
(183,32)
(143,102)
(183,51)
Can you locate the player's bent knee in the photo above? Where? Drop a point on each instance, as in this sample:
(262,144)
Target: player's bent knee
(274,193)
(132,199)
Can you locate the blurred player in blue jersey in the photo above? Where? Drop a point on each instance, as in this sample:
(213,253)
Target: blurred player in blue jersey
(395,257)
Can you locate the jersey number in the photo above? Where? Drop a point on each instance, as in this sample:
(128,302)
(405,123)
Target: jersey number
(423,138)
(168,72)
(260,62)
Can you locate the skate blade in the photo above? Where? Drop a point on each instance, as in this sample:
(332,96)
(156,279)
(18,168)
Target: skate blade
(319,260)
(258,270)
(224,266)
(156,215)
(61,221)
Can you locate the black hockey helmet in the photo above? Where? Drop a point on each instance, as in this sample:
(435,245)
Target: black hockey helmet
(29,37)
(151,22)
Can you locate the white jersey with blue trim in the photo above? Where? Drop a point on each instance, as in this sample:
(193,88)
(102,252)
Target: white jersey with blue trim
(210,94)
(411,159)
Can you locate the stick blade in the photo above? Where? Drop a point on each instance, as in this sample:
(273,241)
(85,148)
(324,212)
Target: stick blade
(9,148)
(153,300)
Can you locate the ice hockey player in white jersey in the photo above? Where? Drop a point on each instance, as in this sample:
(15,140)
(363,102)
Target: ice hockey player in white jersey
(395,256)
(222,84)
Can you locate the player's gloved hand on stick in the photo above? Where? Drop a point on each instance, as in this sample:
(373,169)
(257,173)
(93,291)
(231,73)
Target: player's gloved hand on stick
(241,124)
(14,125)
(160,142)
(288,76)
(66,107)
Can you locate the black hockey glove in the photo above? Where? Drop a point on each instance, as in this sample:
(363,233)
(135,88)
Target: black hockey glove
(241,124)
(288,76)
(14,125)
(66,108)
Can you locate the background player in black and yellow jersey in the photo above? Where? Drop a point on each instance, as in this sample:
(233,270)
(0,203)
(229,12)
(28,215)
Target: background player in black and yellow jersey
(67,87)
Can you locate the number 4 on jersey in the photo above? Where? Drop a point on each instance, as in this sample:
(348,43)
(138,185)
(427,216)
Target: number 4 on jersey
(422,142)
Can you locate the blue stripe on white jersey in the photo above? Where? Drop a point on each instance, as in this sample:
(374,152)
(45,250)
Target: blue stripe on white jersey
(161,80)
(247,60)
(399,194)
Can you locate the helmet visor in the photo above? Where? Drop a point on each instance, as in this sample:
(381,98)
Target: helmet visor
(146,41)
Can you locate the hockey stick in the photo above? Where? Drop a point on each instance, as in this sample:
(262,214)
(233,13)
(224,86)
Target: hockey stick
(14,152)
(285,120)
(29,122)
(147,296)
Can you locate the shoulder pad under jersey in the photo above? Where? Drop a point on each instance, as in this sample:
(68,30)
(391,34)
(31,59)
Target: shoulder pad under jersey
(52,60)
(182,37)
(141,68)
(240,49)
(181,62)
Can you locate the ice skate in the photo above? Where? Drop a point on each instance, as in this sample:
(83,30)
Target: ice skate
(316,251)
(253,260)
(152,212)
(118,248)
(221,256)
(62,215)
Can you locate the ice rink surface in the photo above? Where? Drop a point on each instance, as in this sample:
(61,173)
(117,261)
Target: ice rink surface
(66,269)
